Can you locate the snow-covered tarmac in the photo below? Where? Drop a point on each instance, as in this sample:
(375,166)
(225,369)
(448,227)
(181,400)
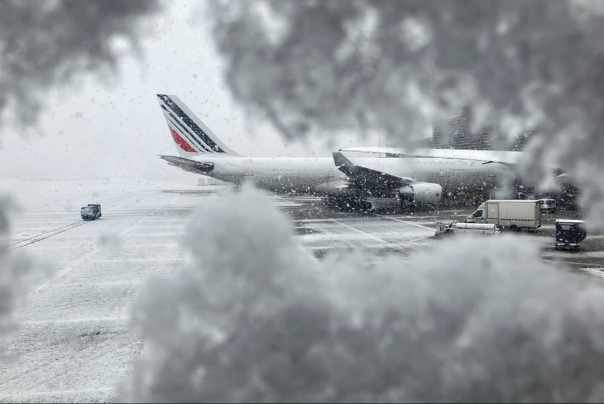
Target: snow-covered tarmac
(73,343)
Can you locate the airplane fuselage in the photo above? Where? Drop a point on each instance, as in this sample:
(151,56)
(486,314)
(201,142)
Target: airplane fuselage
(414,176)
(320,176)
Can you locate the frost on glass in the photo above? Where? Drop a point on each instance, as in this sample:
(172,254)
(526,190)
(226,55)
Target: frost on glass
(45,45)
(13,269)
(253,317)
(6,270)
(321,67)
(49,44)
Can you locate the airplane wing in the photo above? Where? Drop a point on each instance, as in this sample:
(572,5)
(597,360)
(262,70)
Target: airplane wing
(507,158)
(189,165)
(377,183)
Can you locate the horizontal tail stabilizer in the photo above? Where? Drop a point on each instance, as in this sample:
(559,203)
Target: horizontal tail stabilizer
(189,165)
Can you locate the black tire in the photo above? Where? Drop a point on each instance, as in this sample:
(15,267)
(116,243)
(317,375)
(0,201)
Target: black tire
(366,206)
(514,228)
(346,205)
(331,202)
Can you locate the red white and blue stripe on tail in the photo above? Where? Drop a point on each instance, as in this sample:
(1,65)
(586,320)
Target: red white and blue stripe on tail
(191,136)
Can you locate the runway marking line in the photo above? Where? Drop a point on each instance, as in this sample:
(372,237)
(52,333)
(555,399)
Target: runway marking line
(73,320)
(169,245)
(370,235)
(20,396)
(58,230)
(121,260)
(583,264)
(81,284)
(91,253)
(45,235)
(406,222)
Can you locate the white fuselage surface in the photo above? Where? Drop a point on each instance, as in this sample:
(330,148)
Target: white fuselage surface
(424,175)
(321,176)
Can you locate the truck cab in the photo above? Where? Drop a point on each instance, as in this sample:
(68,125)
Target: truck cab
(478,215)
(547,205)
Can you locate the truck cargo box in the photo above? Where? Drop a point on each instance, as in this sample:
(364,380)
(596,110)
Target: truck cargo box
(511,214)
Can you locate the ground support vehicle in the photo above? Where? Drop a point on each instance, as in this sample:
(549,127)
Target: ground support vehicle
(451,228)
(547,205)
(509,214)
(91,212)
(569,234)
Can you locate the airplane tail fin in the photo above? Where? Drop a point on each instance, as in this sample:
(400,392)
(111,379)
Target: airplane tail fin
(191,136)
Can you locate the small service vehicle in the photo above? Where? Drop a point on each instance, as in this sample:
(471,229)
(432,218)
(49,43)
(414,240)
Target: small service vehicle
(451,228)
(511,214)
(547,205)
(91,212)
(569,233)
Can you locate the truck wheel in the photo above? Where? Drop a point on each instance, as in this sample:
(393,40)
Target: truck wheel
(514,228)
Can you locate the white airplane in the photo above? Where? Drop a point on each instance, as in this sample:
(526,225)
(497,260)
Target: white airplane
(418,177)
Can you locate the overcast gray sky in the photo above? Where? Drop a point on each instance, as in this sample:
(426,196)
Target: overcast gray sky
(112,128)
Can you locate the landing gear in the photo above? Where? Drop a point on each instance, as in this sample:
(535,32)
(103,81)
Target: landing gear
(408,207)
(405,206)
(365,206)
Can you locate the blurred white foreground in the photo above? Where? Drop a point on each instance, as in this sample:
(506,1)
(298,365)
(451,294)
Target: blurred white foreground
(252,318)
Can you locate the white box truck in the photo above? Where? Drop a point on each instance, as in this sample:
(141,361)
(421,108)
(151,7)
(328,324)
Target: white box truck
(511,214)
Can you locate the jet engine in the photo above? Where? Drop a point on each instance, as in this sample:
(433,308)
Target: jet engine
(421,192)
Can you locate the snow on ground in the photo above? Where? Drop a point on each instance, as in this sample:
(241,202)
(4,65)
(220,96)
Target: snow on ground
(475,318)
(599,272)
(73,343)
